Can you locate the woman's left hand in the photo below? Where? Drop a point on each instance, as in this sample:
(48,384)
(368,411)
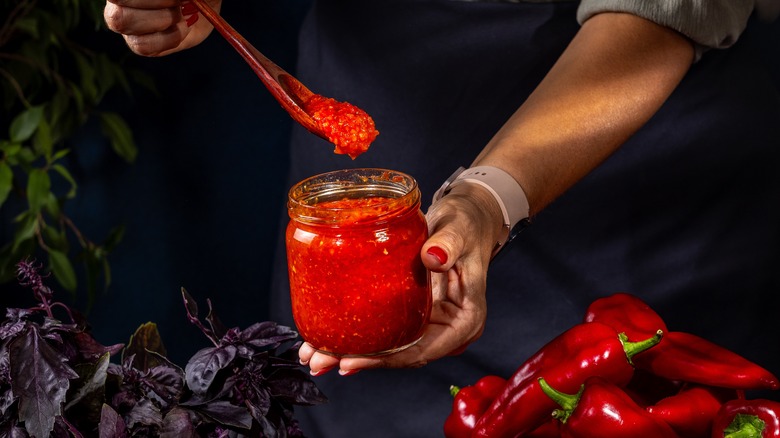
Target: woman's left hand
(464,227)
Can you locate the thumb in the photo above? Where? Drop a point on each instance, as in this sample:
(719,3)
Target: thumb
(442,249)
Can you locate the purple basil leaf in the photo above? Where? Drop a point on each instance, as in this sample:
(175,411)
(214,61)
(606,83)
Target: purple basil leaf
(40,379)
(269,429)
(192,314)
(62,429)
(259,402)
(267,333)
(54,324)
(14,314)
(190,305)
(166,381)
(7,399)
(11,328)
(226,413)
(87,393)
(111,424)
(145,413)
(145,339)
(295,386)
(5,364)
(293,428)
(204,366)
(91,350)
(178,423)
(217,327)
(13,431)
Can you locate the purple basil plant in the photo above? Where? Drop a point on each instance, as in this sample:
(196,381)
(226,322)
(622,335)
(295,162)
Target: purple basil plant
(56,380)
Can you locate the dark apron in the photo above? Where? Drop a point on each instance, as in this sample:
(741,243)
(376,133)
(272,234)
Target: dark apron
(685,214)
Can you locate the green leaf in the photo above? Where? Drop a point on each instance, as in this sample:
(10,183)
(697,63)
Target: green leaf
(115,127)
(40,379)
(55,238)
(146,339)
(28,25)
(62,170)
(10,149)
(63,270)
(88,81)
(24,125)
(106,273)
(52,206)
(59,105)
(6,181)
(25,230)
(60,154)
(38,189)
(42,141)
(24,157)
(114,237)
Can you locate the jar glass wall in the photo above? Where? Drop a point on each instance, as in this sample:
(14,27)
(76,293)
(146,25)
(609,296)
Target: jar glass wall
(357,283)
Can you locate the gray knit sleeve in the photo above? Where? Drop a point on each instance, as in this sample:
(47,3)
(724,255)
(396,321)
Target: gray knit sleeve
(708,23)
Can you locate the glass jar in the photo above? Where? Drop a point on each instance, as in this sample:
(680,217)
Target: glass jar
(357,283)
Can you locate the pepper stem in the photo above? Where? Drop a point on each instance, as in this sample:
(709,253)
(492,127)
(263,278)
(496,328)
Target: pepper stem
(745,426)
(634,348)
(567,402)
(454,390)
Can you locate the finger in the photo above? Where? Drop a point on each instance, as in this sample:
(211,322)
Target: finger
(445,244)
(146,4)
(158,43)
(305,352)
(138,21)
(321,363)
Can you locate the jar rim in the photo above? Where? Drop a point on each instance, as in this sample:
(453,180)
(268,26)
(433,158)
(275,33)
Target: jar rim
(305,198)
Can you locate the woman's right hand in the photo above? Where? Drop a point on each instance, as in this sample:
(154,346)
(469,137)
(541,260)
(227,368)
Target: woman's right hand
(157,27)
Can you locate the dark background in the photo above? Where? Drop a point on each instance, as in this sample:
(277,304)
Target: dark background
(201,202)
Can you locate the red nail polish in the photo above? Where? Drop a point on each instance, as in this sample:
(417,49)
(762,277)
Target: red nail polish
(188,8)
(439,253)
(192,19)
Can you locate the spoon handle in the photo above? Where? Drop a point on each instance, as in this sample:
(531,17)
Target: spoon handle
(287,90)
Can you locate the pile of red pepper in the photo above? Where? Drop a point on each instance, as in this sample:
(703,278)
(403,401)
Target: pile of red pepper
(621,373)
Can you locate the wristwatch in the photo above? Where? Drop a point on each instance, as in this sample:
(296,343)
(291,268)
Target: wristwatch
(506,191)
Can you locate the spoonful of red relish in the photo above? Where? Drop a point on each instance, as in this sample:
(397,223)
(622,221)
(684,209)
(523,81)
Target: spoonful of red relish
(348,127)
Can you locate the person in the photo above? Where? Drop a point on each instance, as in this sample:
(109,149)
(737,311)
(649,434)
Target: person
(642,135)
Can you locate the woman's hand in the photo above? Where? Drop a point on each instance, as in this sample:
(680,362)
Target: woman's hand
(157,27)
(464,227)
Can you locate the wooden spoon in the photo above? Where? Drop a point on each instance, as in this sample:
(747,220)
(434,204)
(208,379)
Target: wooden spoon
(341,123)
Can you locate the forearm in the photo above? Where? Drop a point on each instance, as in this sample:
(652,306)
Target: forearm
(615,74)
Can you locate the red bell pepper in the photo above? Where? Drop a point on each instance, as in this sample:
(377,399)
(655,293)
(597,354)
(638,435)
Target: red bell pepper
(757,418)
(469,404)
(681,356)
(582,351)
(626,313)
(692,411)
(690,358)
(601,409)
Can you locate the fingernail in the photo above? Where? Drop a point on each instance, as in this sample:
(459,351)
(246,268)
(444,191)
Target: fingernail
(322,371)
(348,372)
(303,362)
(192,19)
(188,8)
(439,254)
